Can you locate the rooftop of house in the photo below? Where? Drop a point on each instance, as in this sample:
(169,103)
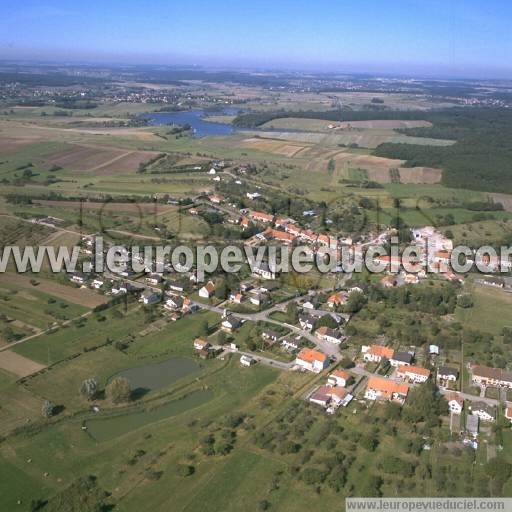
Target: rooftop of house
(201,342)
(455,396)
(402,357)
(447,370)
(387,386)
(310,355)
(210,286)
(487,372)
(483,407)
(340,374)
(381,351)
(327,331)
(416,370)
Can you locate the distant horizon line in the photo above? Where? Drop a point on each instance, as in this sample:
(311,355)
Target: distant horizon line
(317,69)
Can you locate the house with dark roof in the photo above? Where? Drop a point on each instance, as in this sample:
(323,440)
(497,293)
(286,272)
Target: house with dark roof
(447,373)
(472,423)
(484,411)
(231,324)
(307,322)
(270,336)
(149,297)
(328,334)
(486,376)
(401,358)
(174,302)
(264,271)
(291,344)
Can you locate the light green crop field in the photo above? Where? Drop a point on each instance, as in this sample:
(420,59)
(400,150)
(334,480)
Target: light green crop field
(34,307)
(491,310)
(68,340)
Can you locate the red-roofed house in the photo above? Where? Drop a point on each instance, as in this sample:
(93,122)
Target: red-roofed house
(337,299)
(455,402)
(260,216)
(413,373)
(379,388)
(338,378)
(312,360)
(279,235)
(207,290)
(375,353)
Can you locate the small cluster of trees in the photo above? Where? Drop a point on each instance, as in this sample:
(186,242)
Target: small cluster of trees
(118,391)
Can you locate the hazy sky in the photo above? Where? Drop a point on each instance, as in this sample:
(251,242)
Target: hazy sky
(446,37)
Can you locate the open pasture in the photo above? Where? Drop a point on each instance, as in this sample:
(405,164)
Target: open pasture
(343,161)
(33,310)
(363,138)
(378,169)
(386,124)
(322,125)
(427,175)
(273,146)
(80,296)
(98,159)
(142,207)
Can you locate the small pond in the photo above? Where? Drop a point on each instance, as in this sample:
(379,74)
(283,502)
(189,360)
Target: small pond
(157,375)
(108,428)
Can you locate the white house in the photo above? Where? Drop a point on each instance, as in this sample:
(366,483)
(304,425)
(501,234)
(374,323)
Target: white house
(433,350)
(236,297)
(119,289)
(230,324)
(149,297)
(246,360)
(176,286)
(97,283)
(307,322)
(174,302)
(80,278)
(375,353)
(312,360)
(207,290)
(413,373)
(483,411)
(263,270)
(338,378)
(455,403)
(401,358)
(446,373)
(330,335)
(201,344)
(154,278)
(291,344)
(258,299)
